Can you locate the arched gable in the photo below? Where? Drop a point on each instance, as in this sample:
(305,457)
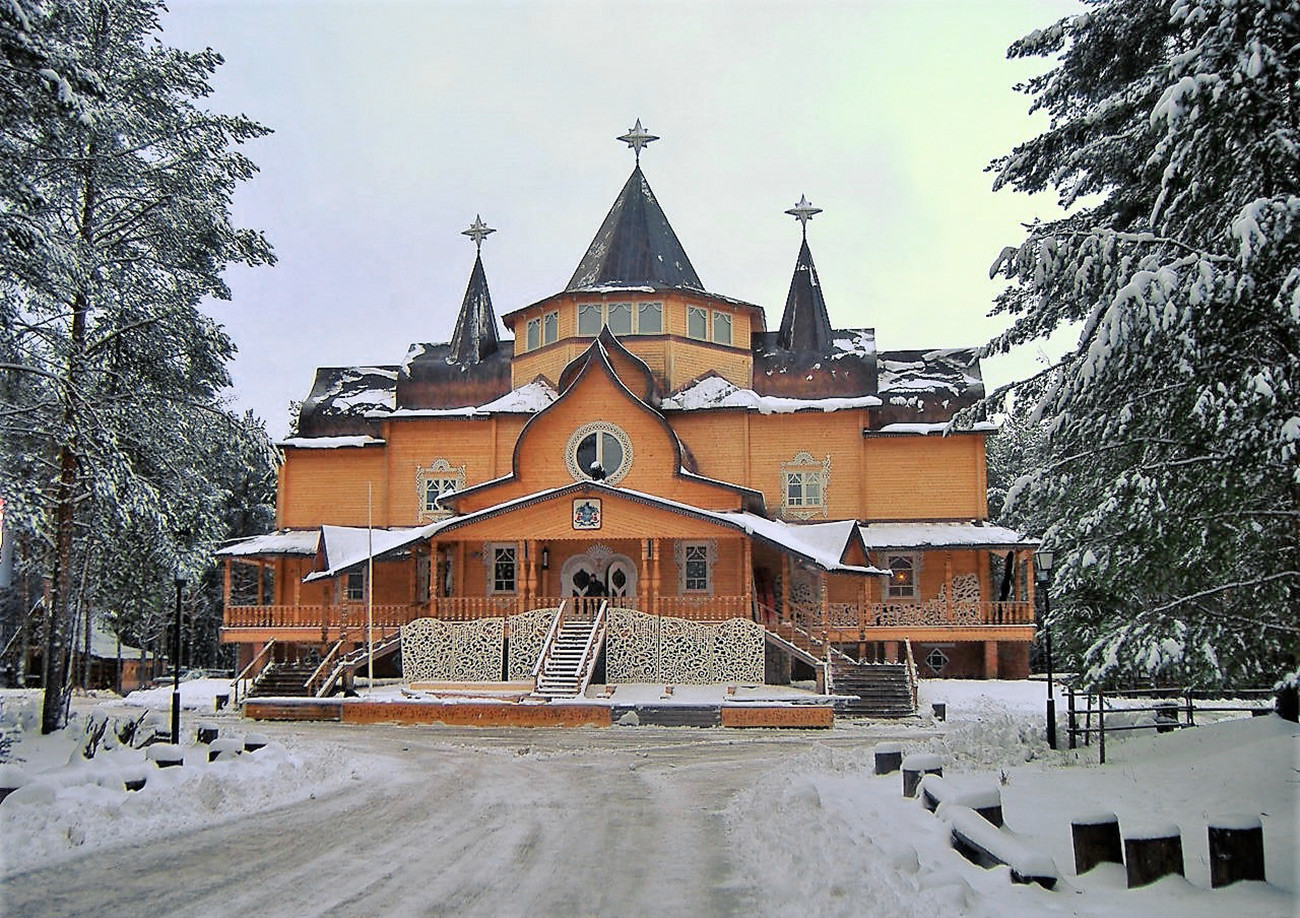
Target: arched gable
(598,400)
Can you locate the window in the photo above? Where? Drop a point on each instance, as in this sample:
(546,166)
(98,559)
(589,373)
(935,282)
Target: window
(618,316)
(599,443)
(534,339)
(432,485)
(804,481)
(697,323)
(504,566)
(721,327)
(650,318)
(590,318)
(550,328)
(902,577)
(695,561)
(355,590)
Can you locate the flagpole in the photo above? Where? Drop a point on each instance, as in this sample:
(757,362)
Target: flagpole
(370,592)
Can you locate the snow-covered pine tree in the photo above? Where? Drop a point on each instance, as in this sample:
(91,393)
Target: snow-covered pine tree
(1172,467)
(111,371)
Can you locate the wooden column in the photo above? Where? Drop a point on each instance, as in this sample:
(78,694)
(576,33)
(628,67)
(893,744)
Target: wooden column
(458,580)
(435,581)
(225,583)
(656,576)
(784,607)
(747,573)
(643,574)
(531,549)
(824,580)
(261,576)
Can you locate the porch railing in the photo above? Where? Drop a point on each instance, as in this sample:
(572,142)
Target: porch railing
(353,615)
(932,613)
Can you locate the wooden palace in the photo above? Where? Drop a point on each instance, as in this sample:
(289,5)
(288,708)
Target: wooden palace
(643,484)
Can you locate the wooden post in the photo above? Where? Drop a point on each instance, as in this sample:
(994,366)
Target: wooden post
(1101,725)
(747,575)
(915,766)
(1152,854)
(656,579)
(1096,841)
(1073,723)
(889,758)
(1236,849)
(225,583)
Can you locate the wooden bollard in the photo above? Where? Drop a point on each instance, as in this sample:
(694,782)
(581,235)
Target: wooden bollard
(1166,716)
(1153,853)
(1096,841)
(224,747)
(889,758)
(1236,849)
(166,755)
(916,765)
(206,733)
(254,742)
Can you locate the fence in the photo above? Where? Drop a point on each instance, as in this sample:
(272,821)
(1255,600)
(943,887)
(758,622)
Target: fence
(1171,709)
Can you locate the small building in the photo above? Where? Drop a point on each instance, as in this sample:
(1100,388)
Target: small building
(745,502)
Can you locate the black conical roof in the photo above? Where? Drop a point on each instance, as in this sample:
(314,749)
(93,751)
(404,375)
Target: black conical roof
(805,325)
(475,338)
(635,246)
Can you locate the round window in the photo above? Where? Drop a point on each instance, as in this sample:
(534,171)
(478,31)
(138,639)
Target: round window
(598,452)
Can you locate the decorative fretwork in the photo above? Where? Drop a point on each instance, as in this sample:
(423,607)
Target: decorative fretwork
(965,589)
(805,482)
(528,632)
(844,615)
(931,612)
(650,648)
(434,482)
(438,651)
(631,646)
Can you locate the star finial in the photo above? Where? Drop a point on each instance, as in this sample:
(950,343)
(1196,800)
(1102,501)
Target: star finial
(478,231)
(638,138)
(803,212)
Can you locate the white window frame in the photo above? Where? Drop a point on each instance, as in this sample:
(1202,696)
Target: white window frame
(902,591)
(444,473)
(490,558)
(714,319)
(354,586)
(805,469)
(550,327)
(703,314)
(533,335)
(659,311)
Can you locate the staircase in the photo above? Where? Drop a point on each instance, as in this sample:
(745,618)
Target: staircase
(881,689)
(562,672)
(283,680)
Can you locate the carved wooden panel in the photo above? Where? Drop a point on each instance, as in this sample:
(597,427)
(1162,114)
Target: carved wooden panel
(438,651)
(528,632)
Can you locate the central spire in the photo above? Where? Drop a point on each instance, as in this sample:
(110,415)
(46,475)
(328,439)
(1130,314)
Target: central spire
(805,325)
(475,336)
(635,246)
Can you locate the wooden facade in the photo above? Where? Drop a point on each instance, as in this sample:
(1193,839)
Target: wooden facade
(706,504)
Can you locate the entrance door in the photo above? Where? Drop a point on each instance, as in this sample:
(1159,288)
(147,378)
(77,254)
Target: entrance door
(598,573)
(620,577)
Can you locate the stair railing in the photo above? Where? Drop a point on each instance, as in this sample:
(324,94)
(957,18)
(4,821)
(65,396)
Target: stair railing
(549,644)
(353,659)
(913,680)
(589,652)
(312,684)
(251,672)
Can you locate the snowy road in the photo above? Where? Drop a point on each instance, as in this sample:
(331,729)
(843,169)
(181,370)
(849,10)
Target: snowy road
(462,822)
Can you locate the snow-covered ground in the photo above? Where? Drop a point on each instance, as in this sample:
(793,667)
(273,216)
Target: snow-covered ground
(388,820)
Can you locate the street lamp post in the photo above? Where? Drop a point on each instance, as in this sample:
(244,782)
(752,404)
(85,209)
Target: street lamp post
(1043,569)
(176,665)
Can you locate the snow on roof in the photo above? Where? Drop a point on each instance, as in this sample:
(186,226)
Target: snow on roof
(330,442)
(716,392)
(104,645)
(285,542)
(940,427)
(527,399)
(615,288)
(856,342)
(942,535)
(359,390)
(950,370)
(821,543)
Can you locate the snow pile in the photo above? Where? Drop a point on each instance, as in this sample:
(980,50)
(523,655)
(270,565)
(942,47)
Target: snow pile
(70,804)
(196,695)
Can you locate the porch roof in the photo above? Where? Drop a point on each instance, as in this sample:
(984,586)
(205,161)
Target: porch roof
(822,544)
(972,534)
(284,542)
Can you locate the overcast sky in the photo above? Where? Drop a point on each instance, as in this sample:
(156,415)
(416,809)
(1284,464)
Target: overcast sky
(397,122)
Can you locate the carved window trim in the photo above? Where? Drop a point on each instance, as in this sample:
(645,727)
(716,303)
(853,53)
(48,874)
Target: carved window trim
(612,476)
(695,550)
(440,470)
(804,469)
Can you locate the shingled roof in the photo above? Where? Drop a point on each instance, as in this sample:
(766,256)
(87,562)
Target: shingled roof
(805,324)
(635,246)
(475,337)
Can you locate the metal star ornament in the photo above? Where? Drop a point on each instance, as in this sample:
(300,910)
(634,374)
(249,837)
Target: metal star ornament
(803,212)
(478,231)
(638,138)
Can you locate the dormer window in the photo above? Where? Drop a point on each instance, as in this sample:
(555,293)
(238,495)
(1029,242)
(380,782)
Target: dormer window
(542,331)
(618,317)
(650,318)
(708,324)
(621,318)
